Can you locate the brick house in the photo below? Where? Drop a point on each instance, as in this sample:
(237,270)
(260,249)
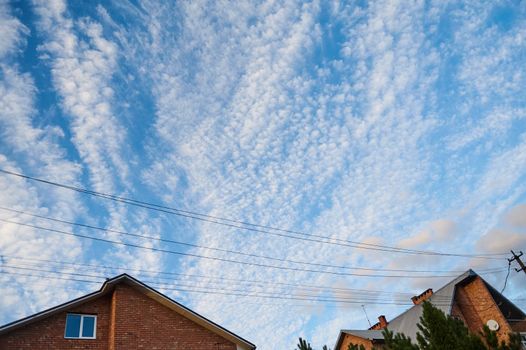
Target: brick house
(468,297)
(125,314)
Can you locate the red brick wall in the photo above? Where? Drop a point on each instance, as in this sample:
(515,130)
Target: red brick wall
(142,323)
(351,339)
(139,323)
(49,332)
(475,306)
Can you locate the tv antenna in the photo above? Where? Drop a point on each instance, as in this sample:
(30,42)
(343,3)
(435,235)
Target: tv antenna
(367,317)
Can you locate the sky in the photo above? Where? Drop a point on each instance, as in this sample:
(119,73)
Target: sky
(283,168)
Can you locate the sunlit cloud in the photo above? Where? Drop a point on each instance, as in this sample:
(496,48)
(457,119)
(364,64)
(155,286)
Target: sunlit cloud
(387,123)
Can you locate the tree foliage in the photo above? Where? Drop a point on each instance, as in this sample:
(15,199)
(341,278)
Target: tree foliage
(397,341)
(303,345)
(439,331)
(355,347)
(514,342)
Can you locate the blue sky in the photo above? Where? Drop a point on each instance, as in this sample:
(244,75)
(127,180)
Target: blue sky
(384,122)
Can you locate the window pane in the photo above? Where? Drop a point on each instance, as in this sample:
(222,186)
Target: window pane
(72,326)
(88,326)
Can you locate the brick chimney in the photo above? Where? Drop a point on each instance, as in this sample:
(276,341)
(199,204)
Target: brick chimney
(419,299)
(381,324)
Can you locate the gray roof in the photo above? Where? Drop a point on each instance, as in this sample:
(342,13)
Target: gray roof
(442,299)
(368,334)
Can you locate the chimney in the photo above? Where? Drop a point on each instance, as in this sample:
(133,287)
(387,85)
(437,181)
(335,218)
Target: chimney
(381,324)
(383,321)
(419,299)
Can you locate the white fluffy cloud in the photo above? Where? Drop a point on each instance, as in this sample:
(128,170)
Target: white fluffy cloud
(37,150)
(82,70)
(387,122)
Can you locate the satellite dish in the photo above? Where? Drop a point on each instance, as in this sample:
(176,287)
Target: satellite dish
(492,325)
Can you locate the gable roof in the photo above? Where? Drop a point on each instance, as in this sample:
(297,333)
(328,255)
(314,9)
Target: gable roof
(109,286)
(442,299)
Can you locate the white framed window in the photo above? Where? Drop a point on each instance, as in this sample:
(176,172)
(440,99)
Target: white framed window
(523,340)
(80,326)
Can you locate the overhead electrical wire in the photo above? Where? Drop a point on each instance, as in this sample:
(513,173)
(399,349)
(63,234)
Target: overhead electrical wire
(167,251)
(240,293)
(507,275)
(301,284)
(363,297)
(224,291)
(50,277)
(227,282)
(206,291)
(171,273)
(229,251)
(251,226)
(233,224)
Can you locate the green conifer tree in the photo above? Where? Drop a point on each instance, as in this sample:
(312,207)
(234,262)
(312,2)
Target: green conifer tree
(303,345)
(355,347)
(438,331)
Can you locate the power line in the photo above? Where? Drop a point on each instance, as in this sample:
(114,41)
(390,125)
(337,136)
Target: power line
(117,268)
(507,275)
(222,278)
(367,298)
(219,280)
(203,291)
(242,293)
(221,249)
(43,262)
(317,289)
(50,277)
(223,291)
(158,285)
(247,225)
(160,250)
(236,301)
